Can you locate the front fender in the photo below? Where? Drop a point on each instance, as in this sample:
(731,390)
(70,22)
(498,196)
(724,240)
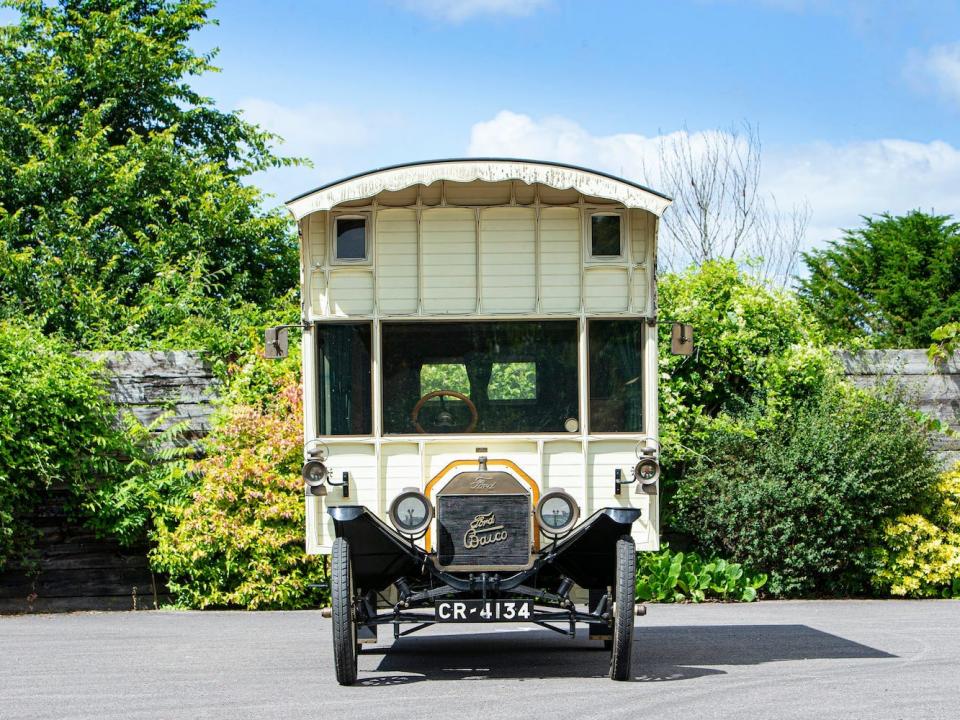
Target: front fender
(378,553)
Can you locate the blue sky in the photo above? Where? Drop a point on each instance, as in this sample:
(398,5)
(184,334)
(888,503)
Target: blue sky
(857,103)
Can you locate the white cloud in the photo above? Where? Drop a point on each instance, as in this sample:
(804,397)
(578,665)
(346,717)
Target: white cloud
(330,137)
(456,11)
(840,182)
(938,68)
(308,128)
(843,182)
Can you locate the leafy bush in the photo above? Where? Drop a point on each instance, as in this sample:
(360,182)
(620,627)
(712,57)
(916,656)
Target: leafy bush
(756,347)
(152,475)
(920,552)
(805,501)
(668,576)
(238,541)
(56,427)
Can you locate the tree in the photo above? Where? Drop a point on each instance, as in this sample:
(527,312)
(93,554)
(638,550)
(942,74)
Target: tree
(718,211)
(892,281)
(123,211)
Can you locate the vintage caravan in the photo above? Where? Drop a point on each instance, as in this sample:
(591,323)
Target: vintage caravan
(480,394)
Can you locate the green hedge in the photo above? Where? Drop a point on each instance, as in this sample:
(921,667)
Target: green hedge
(806,500)
(56,427)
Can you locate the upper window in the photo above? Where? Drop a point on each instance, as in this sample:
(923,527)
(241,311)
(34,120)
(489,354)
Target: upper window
(605,236)
(616,390)
(351,238)
(484,377)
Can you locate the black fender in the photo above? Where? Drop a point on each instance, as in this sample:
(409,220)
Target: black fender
(588,554)
(379,554)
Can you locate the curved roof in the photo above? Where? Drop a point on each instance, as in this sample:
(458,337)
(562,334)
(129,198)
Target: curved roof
(553,174)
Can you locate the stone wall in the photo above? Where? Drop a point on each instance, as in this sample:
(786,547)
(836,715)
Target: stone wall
(151,383)
(934,390)
(76,570)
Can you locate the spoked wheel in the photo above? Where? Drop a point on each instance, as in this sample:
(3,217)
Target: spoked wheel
(621,648)
(344,621)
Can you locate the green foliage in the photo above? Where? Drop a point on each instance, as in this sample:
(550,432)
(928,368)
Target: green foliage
(667,576)
(153,475)
(920,552)
(513,381)
(124,218)
(56,428)
(755,348)
(238,540)
(892,281)
(508,381)
(946,341)
(805,500)
(444,376)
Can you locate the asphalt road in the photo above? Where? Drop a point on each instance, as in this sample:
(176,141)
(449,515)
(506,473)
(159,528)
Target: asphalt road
(849,659)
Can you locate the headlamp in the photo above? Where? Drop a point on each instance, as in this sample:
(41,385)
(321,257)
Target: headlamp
(411,513)
(557,512)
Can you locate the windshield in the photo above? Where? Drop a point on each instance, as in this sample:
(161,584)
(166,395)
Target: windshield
(492,377)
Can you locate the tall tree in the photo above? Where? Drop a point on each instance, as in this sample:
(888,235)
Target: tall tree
(719,211)
(123,206)
(892,281)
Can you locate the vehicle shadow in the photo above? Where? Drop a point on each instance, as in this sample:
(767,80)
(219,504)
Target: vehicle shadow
(660,653)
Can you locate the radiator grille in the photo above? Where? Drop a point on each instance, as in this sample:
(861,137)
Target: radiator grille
(487,531)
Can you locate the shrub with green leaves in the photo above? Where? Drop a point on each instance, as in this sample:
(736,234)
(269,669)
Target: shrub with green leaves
(919,555)
(151,475)
(668,576)
(756,348)
(125,215)
(806,500)
(238,540)
(57,427)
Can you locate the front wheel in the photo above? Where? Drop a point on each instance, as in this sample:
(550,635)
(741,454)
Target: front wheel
(342,607)
(624,605)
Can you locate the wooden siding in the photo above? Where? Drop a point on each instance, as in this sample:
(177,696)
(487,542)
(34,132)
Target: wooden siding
(351,291)
(508,260)
(511,251)
(605,288)
(560,259)
(448,239)
(396,250)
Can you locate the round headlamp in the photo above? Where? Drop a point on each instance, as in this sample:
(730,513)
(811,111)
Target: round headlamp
(411,512)
(647,471)
(557,512)
(315,473)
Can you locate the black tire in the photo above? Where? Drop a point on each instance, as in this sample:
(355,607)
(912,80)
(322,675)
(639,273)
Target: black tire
(624,607)
(342,606)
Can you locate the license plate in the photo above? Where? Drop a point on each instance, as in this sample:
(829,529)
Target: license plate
(465,611)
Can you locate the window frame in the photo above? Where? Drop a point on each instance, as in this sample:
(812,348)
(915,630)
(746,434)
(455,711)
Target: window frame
(641,322)
(581,370)
(589,257)
(367,218)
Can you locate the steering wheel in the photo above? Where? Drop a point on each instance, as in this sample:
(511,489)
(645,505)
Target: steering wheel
(415,414)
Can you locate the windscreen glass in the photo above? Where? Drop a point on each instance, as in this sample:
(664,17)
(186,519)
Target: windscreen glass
(479,377)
